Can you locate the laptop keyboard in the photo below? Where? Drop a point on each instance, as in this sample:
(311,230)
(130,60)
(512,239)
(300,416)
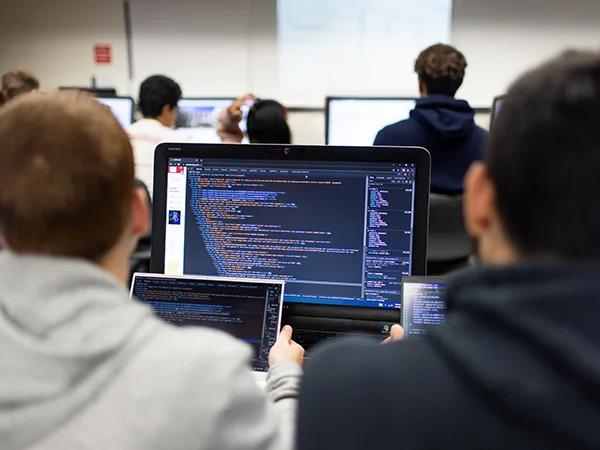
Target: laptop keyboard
(308,339)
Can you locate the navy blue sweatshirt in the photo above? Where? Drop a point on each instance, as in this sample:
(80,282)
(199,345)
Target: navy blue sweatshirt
(446,127)
(515,366)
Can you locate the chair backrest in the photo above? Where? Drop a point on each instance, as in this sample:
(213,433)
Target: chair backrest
(448,240)
(144,240)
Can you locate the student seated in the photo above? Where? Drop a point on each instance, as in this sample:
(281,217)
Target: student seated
(266,123)
(16,82)
(442,124)
(158,99)
(81,365)
(516,364)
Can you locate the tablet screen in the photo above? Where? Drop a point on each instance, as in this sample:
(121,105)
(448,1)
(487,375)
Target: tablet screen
(423,304)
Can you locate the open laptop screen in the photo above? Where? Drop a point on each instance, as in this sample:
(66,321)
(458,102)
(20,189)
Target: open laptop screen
(338,233)
(356,121)
(248,309)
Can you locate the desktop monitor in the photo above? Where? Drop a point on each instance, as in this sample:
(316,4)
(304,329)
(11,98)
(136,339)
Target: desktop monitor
(121,107)
(340,225)
(198,118)
(356,121)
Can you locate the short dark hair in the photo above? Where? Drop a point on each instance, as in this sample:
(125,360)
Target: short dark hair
(156,92)
(441,68)
(543,157)
(16,82)
(66,178)
(267,123)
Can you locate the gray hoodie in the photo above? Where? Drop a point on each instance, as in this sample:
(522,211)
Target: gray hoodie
(84,367)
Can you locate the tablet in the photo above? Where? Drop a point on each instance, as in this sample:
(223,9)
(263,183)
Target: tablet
(423,304)
(248,309)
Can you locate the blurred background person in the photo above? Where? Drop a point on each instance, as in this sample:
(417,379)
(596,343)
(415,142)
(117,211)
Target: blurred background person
(16,82)
(266,122)
(158,99)
(442,124)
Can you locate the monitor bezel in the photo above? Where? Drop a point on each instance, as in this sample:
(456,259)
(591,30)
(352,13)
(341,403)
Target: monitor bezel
(328,101)
(123,97)
(417,155)
(497,99)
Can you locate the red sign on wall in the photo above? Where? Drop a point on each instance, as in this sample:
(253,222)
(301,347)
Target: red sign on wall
(102,54)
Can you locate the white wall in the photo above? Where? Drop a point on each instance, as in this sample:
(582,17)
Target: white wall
(225,47)
(503,38)
(55,39)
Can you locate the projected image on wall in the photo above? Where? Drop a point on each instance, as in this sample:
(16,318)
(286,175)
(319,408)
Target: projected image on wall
(364,47)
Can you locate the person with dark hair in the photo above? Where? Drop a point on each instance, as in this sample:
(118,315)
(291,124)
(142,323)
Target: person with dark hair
(442,124)
(158,99)
(16,82)
(516,365)
(266,122)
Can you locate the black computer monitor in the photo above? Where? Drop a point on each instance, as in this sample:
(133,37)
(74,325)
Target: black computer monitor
(496,107)
(96,92)
(198,118)
(121,107)
(356,121)
(341,225)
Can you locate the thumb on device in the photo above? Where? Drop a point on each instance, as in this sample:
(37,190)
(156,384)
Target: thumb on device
(286,334)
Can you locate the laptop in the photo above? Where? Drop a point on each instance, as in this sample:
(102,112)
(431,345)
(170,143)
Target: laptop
(340,225)
(423,305)
(248,309)
(357,120)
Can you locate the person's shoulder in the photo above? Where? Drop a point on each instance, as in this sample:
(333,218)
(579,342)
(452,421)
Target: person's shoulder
(395,370)
(373,390)
(200,348)
(390,134)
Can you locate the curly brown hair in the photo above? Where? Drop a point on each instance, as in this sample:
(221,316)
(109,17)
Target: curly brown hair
(16,82)
(441,68)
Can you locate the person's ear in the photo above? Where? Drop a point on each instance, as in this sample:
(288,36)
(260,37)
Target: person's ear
(478,201)
(140,213)
(167,110)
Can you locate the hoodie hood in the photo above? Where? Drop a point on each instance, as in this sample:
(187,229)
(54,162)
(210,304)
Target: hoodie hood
(445,116)
(528,338)
(66,328)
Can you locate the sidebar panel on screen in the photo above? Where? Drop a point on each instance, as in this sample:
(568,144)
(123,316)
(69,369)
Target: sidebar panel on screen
(175,227)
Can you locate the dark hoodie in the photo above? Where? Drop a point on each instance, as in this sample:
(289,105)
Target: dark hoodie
(446,127)
(515,366)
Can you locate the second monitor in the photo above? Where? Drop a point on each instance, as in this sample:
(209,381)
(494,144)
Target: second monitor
(356,121)
(198,118)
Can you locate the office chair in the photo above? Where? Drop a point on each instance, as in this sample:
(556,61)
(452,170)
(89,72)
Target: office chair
(140,259)
(449,246)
